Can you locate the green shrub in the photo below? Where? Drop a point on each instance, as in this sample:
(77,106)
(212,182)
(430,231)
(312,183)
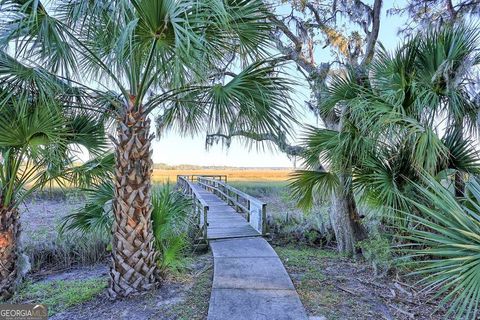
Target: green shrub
(171,223)
(376,250)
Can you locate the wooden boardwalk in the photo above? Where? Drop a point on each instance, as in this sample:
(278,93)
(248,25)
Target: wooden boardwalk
(249,280)
(223,220)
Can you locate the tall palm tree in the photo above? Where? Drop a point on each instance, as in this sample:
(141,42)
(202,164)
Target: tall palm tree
(398,122)
(41,128)
(179,56)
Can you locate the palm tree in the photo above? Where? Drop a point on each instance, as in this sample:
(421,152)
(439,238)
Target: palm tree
(397,123)
(179,56)
(41,128)
(330,158)
(449,60)
(425,115)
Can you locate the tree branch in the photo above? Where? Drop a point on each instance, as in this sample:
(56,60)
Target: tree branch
(279,140)
(335,38)
(451,10)
(284,28)
(373,35)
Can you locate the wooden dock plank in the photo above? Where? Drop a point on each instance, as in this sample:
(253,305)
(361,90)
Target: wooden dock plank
(223,220)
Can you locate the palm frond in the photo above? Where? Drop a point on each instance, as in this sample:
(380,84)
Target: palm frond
(307,186)
(43,122)
(383,181)
(428,152)
(96,215)
(449,233)
(320,146)
(254,100)
(463,155)
(36,34)
(91,172)
(343,88)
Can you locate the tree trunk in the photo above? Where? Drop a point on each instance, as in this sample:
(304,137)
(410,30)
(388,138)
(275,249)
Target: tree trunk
(459,178)
(133,268)
(345,219)
(9,237)
(459,184)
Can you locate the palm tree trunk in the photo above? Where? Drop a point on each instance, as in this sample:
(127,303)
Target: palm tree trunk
(133,268)
(345,219)
(9,237)
(459,183)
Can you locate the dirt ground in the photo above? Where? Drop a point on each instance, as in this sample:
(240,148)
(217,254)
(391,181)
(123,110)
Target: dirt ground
(183,296)
(330,287)
(336,287)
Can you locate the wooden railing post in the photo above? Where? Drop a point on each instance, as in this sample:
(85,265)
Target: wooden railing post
(248,211)
(205,223)
(264,219)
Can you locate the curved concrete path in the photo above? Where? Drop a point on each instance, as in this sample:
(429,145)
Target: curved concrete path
(249,280)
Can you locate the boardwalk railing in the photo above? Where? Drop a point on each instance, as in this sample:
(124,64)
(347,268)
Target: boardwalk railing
(254,209)
(200,206)
(194,177)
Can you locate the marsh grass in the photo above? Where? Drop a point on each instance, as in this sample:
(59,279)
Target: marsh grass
(66,251)
(246,175)
(261,189)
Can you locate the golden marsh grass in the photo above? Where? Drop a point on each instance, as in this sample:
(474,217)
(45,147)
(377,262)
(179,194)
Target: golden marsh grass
(264,175)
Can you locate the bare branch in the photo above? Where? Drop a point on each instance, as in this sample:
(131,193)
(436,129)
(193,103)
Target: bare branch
(373,35)
(279,140)
(293,54)
(335,38)
(284,28)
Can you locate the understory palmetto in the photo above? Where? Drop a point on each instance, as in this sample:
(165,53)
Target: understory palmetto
(444,243)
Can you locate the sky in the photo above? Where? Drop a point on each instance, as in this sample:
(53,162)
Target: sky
(173,149)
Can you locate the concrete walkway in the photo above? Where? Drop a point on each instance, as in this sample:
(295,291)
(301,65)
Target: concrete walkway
(249,281)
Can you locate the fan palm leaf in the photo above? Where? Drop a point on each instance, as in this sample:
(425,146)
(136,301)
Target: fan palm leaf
(448,232)
(40,131)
